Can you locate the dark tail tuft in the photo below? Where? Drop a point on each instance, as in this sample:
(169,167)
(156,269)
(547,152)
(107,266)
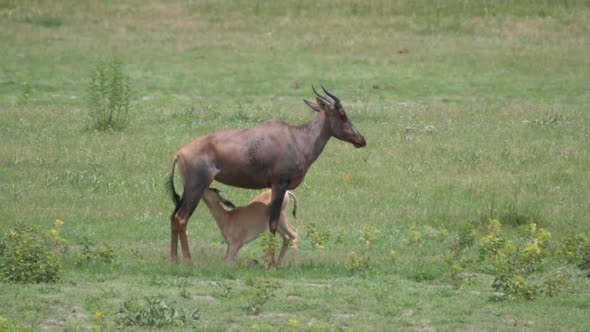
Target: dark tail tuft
(171,189)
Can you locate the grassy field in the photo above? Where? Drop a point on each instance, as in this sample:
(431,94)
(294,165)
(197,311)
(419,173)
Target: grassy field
(472,110)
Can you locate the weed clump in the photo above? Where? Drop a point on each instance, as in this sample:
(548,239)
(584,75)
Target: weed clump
(318,239)
(31,255)
(512,261)
(263,291)
(358,263)
(155,313)
(92,253)
(575,248)
(109,96)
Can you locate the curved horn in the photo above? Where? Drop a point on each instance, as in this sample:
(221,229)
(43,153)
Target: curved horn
(336,100)
(319,95)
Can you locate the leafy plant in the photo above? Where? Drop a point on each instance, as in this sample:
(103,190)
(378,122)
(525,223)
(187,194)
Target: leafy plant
(155,313)
(575,248)
(109,96)
(92,253)
(31,255)
(369,235)
(416,234)
(99,322)
(25,94)
(226,288)
(554,283)
(8,326)
(263,291)
(509,286)
(270,246)
(414,237)
(358,263)
(457,258)
(318,238)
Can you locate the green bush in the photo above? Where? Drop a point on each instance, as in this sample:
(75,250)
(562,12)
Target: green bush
(155,313)
(263,291)
(358,263)
(109,96)
(575,248)
(512,261)
(31,255)
(92,253)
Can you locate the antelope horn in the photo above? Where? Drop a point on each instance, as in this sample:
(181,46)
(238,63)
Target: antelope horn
(336,100)
(319,95)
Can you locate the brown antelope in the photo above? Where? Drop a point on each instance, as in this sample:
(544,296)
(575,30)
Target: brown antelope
(244,224)
(273,154)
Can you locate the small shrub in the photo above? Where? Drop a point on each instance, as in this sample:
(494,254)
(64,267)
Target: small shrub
(109,96)
(4,326)
(369,235)
(226,288)
(263,291)
(318,239)
(99,322)
(575,248)
(491,244)
(339,236)
(31,255)
(155,313)
(293,325)
(414,237)
(392,257)
(510,286)
(7,326)
(25,94)
(457,258)
(417,235)
(270,245)
(555,282)
(358,263)
(91,253)
(511,261)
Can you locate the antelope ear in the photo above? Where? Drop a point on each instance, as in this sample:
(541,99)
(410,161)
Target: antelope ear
(312,105)
(323,104)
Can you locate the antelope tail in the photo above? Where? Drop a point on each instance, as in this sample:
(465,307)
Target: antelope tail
(171,189)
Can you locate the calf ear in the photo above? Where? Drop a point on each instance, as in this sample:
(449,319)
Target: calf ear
(312,105)
(227,203)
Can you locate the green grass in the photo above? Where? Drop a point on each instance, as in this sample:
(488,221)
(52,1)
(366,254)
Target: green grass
(504,84)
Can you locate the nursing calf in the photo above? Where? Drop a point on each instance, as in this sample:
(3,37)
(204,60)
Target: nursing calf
(243,224)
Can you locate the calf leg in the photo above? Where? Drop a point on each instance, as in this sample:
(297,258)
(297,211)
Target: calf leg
(295,238)
(285,246)
(289,234)
(232,250)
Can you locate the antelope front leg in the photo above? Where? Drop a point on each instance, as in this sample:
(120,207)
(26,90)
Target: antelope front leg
(278,195)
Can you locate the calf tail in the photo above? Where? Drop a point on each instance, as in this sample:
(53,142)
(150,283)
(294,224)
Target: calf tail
(294,203)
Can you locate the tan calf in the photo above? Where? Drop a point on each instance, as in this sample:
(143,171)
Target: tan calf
(243,224)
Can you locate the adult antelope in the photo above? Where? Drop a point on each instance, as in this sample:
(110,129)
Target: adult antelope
(273,154)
